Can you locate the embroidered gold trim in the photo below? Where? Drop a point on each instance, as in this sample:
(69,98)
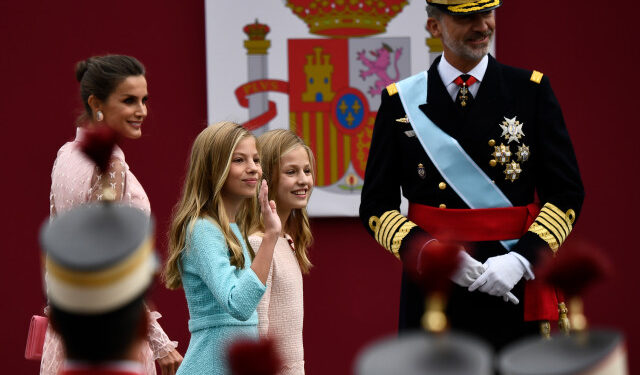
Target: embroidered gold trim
(399,236)
(380,228)
(544,234)
(374,221)
(559,218)
(536,76)
(570,215)
(554,221)
(563,215)
(551,228)
(392,89)
(474,6)
(450,2)
(392,228)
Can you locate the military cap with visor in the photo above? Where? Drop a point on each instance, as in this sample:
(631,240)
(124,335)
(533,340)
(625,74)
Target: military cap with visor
(99,257)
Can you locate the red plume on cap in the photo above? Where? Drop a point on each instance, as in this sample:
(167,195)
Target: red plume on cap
(248,357)
(431,262)
(577,266)
(98,144)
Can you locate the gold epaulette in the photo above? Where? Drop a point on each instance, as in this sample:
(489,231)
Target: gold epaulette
(553,226)
(536,76)
(390,229)
(392,89)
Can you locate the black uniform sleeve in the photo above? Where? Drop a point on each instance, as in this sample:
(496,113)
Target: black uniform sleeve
(380,200)
(558,183)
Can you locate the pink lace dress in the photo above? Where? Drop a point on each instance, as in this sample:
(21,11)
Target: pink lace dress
(75,180)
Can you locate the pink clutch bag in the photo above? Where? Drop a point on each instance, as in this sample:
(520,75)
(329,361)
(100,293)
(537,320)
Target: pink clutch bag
(35,338)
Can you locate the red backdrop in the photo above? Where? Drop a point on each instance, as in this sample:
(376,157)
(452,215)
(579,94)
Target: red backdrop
(351,295)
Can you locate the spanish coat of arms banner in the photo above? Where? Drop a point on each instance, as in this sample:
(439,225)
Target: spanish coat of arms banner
(316,67)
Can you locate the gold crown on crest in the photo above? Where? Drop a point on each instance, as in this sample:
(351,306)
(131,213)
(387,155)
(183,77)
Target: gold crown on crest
(256,31)
(346,18)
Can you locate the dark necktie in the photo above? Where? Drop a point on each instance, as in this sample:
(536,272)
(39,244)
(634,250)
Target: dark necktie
(464,95)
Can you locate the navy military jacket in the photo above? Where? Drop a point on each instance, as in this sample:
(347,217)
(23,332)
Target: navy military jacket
(397,163)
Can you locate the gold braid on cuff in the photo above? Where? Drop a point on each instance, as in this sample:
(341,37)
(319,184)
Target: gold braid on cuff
(390,229)
(553,226)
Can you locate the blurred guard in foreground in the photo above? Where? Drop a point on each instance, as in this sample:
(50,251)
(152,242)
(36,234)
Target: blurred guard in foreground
(434,351)
(100,262)
(581,350)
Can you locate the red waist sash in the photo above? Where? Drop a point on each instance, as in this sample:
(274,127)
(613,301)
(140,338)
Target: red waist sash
(470,225)
(490,224)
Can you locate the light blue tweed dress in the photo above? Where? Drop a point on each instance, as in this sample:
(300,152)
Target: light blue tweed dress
(222,299)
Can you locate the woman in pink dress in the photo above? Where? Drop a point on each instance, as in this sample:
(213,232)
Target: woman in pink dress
(113,89)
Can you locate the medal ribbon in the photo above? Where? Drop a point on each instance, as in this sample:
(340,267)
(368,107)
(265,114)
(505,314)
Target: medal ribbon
(470,81)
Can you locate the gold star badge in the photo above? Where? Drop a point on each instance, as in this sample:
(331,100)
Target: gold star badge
(523,153)
(502,153)
(512,171)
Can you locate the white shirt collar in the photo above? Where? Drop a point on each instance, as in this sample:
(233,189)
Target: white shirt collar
(448,73)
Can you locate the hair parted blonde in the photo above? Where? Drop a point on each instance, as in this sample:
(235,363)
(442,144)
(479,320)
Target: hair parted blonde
(272,146)
(201,197)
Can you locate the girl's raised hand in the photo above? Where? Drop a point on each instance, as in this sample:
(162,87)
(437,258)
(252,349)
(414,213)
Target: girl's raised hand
(270,218)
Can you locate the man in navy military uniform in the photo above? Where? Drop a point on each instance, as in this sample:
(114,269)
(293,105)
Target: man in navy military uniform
(471,143)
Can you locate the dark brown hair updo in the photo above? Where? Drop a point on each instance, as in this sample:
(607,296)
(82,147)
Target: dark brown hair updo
(100,75)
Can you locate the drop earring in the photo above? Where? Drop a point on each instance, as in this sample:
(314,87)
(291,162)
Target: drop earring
(99,116)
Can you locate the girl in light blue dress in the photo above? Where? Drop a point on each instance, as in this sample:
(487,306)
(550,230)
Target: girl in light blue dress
(223,279)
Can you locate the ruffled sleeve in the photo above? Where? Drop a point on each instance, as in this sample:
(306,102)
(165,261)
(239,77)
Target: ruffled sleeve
(159,342)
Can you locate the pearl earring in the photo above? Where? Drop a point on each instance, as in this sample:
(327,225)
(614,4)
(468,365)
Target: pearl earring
(99,116)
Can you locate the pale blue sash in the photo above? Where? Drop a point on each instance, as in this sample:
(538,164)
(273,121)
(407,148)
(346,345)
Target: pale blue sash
(460,172)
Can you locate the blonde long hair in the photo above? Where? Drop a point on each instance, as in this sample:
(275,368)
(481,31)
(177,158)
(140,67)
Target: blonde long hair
(273,145)
(201,197)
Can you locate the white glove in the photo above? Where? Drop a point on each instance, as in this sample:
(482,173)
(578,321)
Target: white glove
(468,270)
(502,273)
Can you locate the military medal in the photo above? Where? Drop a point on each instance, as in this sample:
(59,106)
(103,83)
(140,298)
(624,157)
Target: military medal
(464,81)
(523,153)
(421,171)
(512,129)
(512,171)
(463,95)
(502,153)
